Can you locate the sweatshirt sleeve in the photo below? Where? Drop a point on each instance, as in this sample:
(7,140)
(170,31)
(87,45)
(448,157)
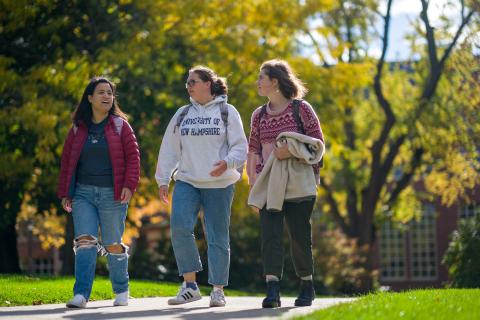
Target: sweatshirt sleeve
(237,141)
(169,154)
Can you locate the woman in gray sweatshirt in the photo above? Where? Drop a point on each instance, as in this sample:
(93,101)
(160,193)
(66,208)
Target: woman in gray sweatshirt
(202,148)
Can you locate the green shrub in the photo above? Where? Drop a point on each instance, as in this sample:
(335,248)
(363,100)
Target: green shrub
(340,263)
(463,254)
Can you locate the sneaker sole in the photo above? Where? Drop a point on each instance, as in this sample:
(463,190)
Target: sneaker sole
(175,302)
(116,304)
(217,304)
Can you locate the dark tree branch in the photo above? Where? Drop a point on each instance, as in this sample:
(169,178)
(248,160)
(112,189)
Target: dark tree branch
(384,104)
(404,181)
(317,47)
(369,194)
(348,23)
(432,46)
(392,153)
(465,21)
(436,66)
(334,209)
(352,197)
(379,177)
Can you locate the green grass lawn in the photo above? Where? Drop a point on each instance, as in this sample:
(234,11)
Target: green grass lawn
(436,304)
(16,290)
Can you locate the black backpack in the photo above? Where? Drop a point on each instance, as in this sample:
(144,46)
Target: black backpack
(296,115)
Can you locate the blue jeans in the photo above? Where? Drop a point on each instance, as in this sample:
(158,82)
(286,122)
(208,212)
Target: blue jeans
(216,204)
(93,207)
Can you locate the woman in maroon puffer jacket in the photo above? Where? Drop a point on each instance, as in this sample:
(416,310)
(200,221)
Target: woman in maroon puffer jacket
(99,172)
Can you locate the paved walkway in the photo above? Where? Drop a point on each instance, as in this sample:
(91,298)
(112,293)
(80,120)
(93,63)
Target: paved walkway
(157,308)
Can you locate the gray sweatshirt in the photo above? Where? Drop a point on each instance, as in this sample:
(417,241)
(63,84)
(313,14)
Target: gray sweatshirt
(199,142)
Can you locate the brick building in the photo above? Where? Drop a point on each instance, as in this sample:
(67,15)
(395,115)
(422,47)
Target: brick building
(412,258)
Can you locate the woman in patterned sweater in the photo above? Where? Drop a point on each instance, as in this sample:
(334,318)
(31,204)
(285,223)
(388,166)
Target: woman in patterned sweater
(283,112)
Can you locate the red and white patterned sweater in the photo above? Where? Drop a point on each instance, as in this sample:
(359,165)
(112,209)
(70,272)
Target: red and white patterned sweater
(261,142)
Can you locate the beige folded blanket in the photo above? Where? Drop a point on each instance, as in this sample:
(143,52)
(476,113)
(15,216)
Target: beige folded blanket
(291,178)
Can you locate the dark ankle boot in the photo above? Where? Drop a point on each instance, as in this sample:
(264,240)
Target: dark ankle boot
(306,294)
(273,295)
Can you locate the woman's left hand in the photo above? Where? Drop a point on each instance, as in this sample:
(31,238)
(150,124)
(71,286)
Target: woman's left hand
(282,153)
(125,196)
(219,168)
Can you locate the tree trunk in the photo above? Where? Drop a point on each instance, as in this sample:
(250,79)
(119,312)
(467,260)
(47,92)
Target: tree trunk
(368,279)
(366,240)
(8,248)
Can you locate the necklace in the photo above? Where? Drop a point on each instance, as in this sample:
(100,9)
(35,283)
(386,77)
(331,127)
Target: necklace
(95,136)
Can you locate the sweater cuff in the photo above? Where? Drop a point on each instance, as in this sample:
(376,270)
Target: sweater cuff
(230,163)
(163,182)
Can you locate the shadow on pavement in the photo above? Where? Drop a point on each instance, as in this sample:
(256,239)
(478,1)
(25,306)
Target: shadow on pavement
(183,313)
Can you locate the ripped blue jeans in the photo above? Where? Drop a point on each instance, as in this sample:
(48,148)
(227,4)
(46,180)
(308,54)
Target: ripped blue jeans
(93,207)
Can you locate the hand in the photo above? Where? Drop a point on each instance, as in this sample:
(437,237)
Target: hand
(163,194)
(219,168)
(67,204)
(255,209)
(282,153)
(125,196)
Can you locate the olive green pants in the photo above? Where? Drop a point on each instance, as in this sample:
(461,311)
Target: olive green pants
(297,217)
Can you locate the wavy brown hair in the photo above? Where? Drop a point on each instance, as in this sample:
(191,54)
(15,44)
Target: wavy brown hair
(289,85)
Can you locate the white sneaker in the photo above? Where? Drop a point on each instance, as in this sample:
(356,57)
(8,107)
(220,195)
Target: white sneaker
(78,301)
(185,295)
(121,299)
(217,298)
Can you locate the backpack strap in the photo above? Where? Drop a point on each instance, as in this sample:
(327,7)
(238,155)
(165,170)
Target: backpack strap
(181,116)
(118,122)
(296,114)
(224,116)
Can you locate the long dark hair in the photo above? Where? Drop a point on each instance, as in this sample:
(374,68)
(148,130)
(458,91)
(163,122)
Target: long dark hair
(288,83)
(219,85)
(83,111)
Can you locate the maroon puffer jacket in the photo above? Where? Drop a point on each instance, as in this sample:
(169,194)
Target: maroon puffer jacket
(124,155)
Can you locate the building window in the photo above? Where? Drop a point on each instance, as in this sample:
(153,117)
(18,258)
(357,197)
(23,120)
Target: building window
(469,211)
(43,266)
(392,253)
(423,248)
